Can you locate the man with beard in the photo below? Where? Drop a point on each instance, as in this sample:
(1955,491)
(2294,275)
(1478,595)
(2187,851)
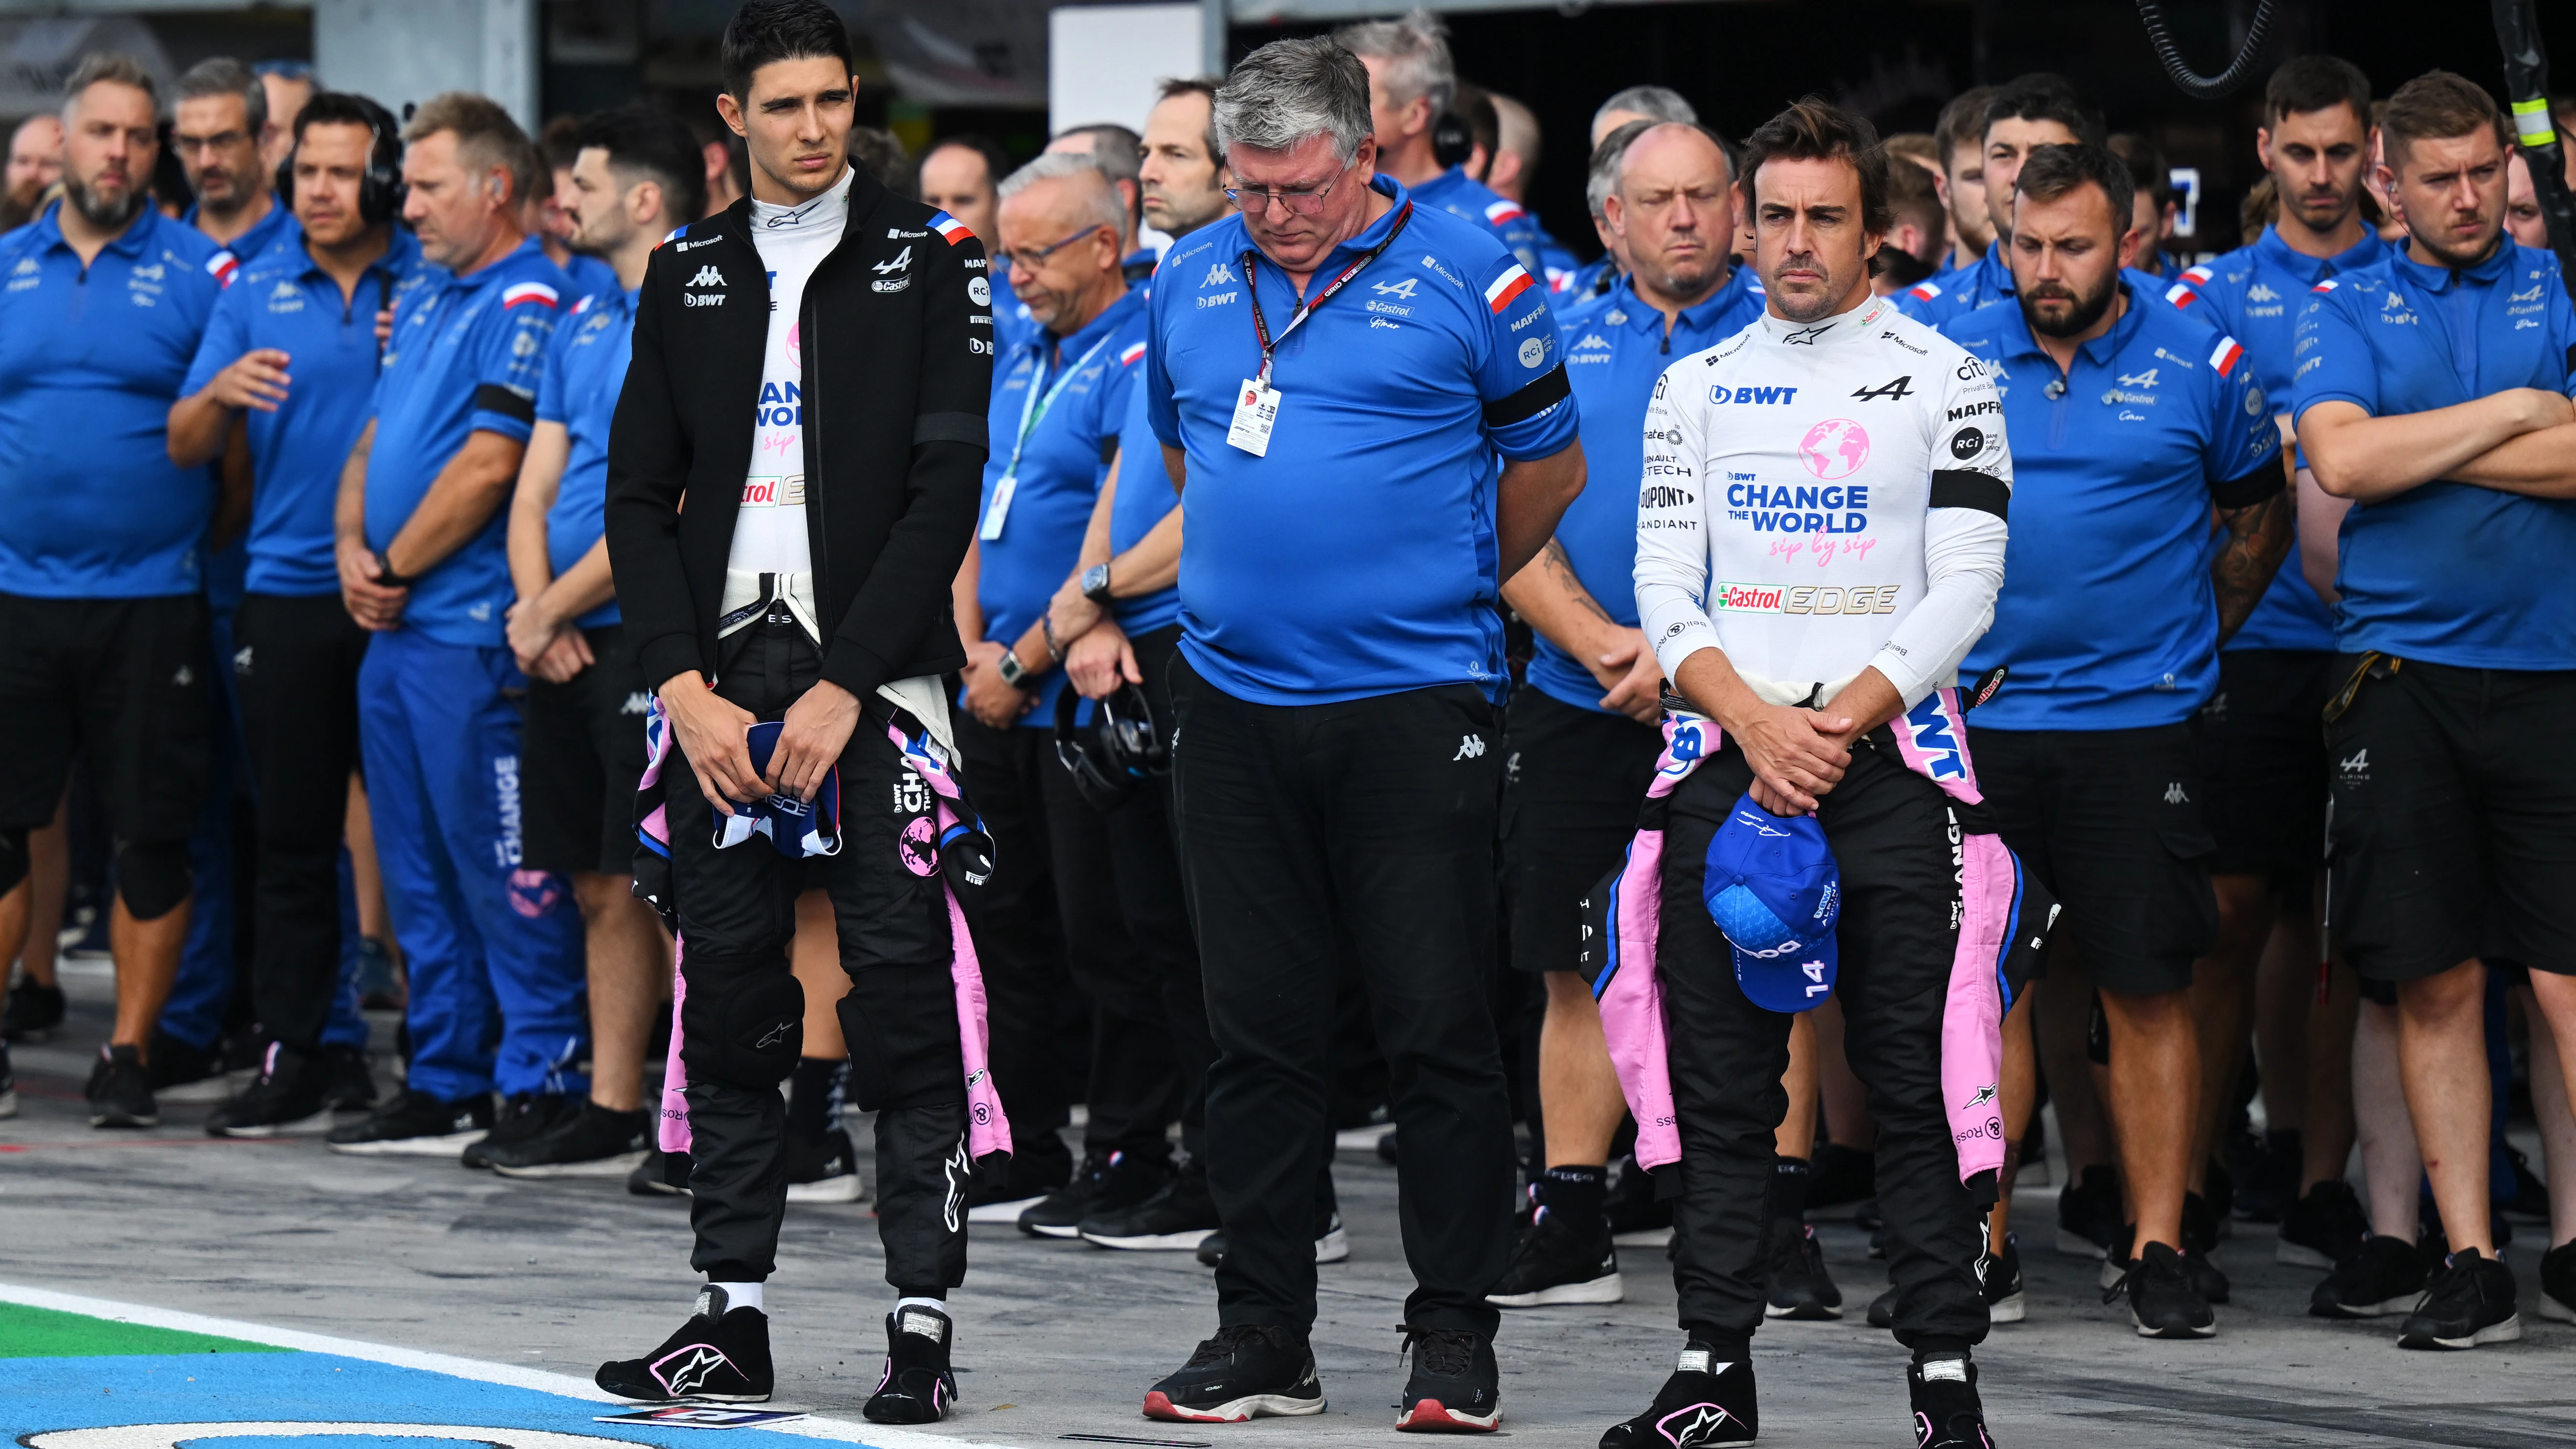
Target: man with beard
(1582,739)
(2134,420)
(1118,618)
(2432,392)
(35,162)
(2265,755)
(1958,139)
(2034,110)
(102,600)
(222,119)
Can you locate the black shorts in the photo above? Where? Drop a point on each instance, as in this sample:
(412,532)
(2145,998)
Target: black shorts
(2454,825)
(2263,756)
(123,684)
(2110,821)
(584,749)
(1572,781)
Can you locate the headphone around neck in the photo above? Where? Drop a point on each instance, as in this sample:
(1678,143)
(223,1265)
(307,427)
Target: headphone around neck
(380,187)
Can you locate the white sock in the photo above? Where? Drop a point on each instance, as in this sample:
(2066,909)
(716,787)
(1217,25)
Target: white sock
(739,1295)
(936,1305)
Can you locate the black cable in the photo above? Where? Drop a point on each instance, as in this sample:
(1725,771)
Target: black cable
(2192,82)
(2526,79)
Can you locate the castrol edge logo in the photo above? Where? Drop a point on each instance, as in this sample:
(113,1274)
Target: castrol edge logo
(1746,598)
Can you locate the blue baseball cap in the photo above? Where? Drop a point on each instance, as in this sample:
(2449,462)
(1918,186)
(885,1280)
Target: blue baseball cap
(1774,890)
(795,828)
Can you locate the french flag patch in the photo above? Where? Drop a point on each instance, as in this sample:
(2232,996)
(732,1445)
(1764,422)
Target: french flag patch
(2197,275)
(2328,285)
(529,292)
(950,229)
(1510,284)
(1128,357)
(222,265)
(2181,294)
(1503,211)
(1923,291)
(2225,358)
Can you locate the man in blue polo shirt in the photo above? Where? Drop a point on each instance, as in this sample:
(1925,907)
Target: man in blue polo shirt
(218,130)
(634,176)
(2130,421)
(103,648)
(420,548)
(1583,742)
(2432,392)
(1052,907)
(2264,757)
(1361,402)
(289,360)
(2033,110)
(1411,82)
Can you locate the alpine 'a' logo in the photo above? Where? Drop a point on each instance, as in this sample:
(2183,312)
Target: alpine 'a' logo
(696,1365)
(1891,391)
(895,263)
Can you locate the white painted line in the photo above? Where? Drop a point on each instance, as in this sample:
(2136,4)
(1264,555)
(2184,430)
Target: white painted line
(814,1427)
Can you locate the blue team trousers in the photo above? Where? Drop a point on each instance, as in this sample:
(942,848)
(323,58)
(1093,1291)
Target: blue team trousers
(494,949)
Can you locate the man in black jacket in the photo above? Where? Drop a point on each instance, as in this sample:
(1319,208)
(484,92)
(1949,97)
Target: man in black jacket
(772,570)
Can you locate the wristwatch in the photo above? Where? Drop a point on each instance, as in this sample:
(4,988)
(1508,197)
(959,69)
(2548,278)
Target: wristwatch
(1095,584)
(1011,670)
(385,575)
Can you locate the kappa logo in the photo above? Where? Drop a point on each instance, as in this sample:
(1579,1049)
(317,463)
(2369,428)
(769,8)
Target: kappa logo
(1217,273)
(2261,293)
(707,276)
(1591,340)
(1470,747)
(895,263)
(637,702)
(241,662)
(184,677)
(2176,795)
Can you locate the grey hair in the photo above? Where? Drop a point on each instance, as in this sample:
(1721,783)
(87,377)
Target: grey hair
(1418,47)
(221,75)
(1295,90)
(1661,102)
(110,65)
(1118,152)
(1602,176)
(1100,199)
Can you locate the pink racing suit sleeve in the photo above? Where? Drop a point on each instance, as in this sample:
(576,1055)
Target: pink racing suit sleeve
(988,1127)
(1629,986)
(674,1134)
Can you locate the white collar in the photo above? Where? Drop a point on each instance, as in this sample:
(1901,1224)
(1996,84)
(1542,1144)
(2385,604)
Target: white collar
(1840,327)
(829,208)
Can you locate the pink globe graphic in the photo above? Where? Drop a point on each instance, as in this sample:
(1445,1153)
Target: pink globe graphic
(1834,448)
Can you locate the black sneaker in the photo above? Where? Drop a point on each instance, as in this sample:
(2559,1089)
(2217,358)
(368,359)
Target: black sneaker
(2324,1227)
(1332,1245)
(1558,1260)
(825,1171)
(1059,1214)
(586,1140)
(34,1011)
(2207,1279)
(415,1124)
(2530,1199)
(719,1355)
(1035,1174)
(2204,1218)
(523,1118)
(2469,1302)
(1638,1219)
(1247,1371)
(2557,1277)
(1707,1401)
(186,1072)
(285,1099)
(2162,1301)
(660,1174)
(120,1090)
(1882,1309)
(2383,1276)
(2272,1186)
(917,1386)
(1794,1281)
(1178,1217)
(1947,1413)
(2088,1213)
(1999,1274)
(8,1085)
(1211,1251)
(350,1084)
(1455,1387)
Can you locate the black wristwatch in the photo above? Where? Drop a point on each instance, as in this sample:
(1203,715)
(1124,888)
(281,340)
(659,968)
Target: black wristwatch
(1095,584)
(385,575)
(1011,670)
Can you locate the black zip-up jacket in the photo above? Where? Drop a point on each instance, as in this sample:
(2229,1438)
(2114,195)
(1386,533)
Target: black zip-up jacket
(898,369)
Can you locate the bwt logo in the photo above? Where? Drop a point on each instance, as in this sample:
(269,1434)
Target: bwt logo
(1753,394)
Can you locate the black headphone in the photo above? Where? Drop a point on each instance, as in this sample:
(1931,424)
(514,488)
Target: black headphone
(1123,750)
(380,187)
(1451,141)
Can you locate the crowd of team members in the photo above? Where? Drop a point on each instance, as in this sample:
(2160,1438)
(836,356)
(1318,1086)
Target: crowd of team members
(353,582)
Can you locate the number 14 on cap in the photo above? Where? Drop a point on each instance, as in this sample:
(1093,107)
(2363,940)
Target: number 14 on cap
(1256,412)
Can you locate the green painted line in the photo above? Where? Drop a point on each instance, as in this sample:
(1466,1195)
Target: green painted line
(45,1333)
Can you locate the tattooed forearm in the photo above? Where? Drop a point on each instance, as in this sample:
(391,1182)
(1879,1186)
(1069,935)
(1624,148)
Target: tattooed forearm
(2258,538)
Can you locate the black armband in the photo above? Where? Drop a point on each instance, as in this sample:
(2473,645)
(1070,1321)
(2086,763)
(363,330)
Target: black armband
(2248,489)
(1530,401)
(492,397)
(1966,488)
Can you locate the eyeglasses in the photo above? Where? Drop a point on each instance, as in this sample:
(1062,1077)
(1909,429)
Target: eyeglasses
(220,141)
(1302,200)
(1028,261)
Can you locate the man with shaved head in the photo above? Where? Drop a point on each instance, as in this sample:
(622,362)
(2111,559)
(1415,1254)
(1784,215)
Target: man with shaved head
(1059,395)
(1584,731)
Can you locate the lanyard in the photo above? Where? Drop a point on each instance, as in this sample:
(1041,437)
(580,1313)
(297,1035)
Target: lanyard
(1033,409)
(1261,325)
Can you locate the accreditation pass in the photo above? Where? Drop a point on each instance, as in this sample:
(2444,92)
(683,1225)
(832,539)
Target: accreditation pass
(1256,412)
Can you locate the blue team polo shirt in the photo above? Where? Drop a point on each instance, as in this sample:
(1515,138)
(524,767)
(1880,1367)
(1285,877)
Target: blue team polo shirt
(283,299)
(1357,558)
(466,357)
(1944,295)
(2254,294)
(1143,499)
(1614,353)
(230,257)
(2448,573)
(589,276)
(1060,468)
(2108,619)
(90,362)
(585,371)
(1462,195)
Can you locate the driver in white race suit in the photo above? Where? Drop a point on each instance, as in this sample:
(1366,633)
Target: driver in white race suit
(1820,536)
